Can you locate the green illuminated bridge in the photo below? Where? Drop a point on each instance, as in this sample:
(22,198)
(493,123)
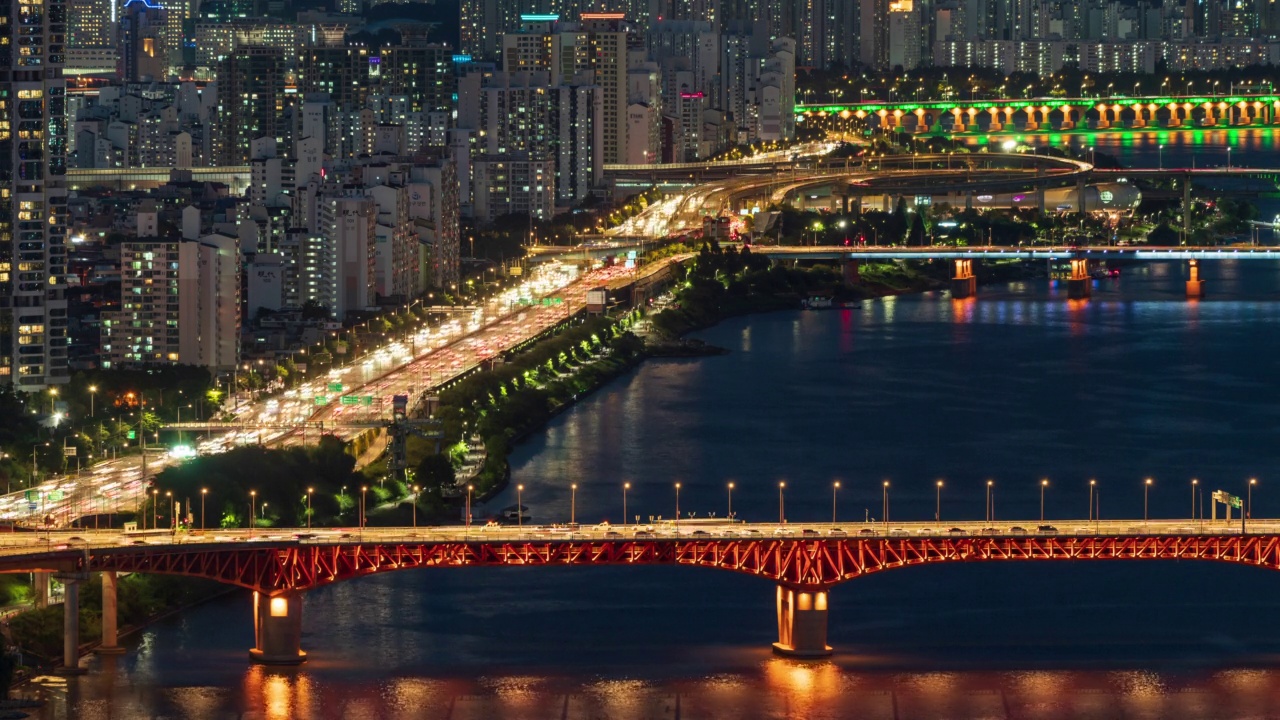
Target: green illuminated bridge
(1047,114)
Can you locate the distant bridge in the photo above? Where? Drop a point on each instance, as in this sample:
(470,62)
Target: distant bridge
(1049,114)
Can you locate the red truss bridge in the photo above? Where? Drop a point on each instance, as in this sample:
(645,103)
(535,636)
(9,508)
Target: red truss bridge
(803,561)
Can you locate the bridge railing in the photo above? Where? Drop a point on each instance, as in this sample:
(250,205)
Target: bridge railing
(19,543)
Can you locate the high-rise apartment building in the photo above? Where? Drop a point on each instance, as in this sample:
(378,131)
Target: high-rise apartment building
(179,304)
(33,196)
(252,103)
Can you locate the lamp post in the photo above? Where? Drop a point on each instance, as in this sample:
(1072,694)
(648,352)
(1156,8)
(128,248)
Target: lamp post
(573,504)
(1248,508)
(625,487)
(173,510)
(885,500)
(470,488)
(835,487)
(253,495)
(937,511)
(730,502)
(1044,483)
(677,509)
(990,507)
(53,396)
(155,509)
(519,506)
(363,490)
(782,516)
(1093,484)
(309,493)
(93,391)
(414,506)
(204,493)
(1146,492)
(1162,156)
(1194,483)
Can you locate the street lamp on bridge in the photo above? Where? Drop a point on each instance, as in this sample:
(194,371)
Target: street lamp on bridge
(835,487)
(519,506)
(1093,485)
(625,487)
(573,504)
(885,501)
(364,489)
(204,493)
(782,517)
(1044,483)
(309,493)
(1194,483)
(1248,508)
(470,488)
(937,512)
(731,501)
(253,495)
(990,507)
(1146,491)
(677,509)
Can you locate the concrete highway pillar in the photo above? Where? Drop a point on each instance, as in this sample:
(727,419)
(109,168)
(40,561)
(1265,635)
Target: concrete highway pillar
(110,633)
(40,588)
(1079,285)
(1195,286)
(802,623)
(964,284)
(71,624)
(849,269)
(277,629)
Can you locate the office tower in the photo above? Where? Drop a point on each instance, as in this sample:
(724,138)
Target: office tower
(252,103)
(92,23)
(607,35)
(33,196)
(144,50)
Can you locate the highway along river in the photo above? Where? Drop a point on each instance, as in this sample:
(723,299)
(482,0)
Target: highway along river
(1017,385)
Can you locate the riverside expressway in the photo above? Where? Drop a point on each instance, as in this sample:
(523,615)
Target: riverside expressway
(432,357)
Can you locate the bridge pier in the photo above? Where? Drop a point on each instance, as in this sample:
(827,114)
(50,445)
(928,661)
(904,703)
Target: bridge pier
(802,623)
(1195,286)
(71,623)
(277,630)
(1079,285)
(964,284)
(849,270)
(110,633)
(40,588)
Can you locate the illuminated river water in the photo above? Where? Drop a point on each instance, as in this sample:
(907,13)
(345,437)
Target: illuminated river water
(1017,385)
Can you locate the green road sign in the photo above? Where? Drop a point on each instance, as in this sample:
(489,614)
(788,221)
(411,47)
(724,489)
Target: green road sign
(350,400)
(1235,502)
(321,400)
(56,495)
(367,399)
(335,387)
(133,434)
(33,496)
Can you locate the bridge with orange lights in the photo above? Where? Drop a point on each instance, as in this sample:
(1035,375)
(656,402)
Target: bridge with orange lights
(804,562)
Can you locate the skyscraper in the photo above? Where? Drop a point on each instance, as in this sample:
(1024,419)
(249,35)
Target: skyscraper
(251,102)
(33,196)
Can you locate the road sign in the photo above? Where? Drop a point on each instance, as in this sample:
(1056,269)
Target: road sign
(321,400)
(1236,502)
(55,495)
(133,434)
(350,399)
(69,451)
(367,400)
(32,495)
(31,507)
(335,387)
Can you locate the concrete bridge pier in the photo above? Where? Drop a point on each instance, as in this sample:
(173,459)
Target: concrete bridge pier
(110,633)
(1079,285)
(850,270)
(1195,286)
(964,284)
(802,623)
(277,629)
(40,591)
(71,623)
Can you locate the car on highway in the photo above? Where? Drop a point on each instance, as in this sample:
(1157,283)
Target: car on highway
(1015,530)
(1046,530)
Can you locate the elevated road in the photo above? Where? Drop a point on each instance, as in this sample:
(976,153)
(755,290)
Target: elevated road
(895,252)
